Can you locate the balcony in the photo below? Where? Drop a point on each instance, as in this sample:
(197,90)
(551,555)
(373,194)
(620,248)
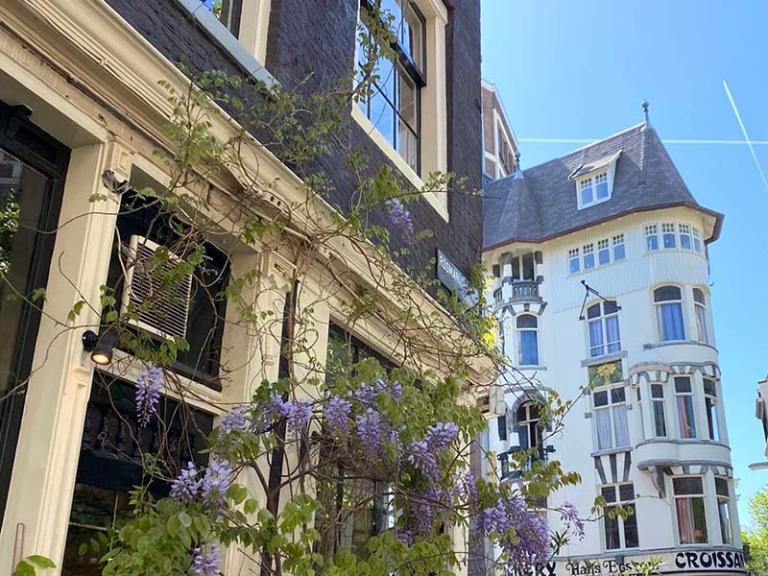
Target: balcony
(518,291)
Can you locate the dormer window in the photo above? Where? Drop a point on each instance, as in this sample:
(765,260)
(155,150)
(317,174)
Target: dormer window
(593,190)
(594,180)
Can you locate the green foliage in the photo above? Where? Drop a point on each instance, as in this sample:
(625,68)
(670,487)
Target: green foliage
(29,566)
(756,539)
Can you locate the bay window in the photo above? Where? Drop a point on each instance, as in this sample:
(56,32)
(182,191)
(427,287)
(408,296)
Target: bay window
(610,413)
(603,322)
(723,511)
(658,411)
(528,339)
(700,305)
(620,529)
(690,509)
(710,403)
(669,311)
(685,407)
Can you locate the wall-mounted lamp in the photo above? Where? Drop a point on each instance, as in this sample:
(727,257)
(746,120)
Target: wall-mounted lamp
(101,347)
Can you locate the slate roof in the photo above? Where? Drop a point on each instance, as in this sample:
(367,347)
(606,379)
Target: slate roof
(542,203)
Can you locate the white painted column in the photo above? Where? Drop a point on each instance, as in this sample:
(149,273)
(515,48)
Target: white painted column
(45,467)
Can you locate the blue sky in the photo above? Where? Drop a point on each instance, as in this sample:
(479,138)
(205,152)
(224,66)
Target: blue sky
(579,69)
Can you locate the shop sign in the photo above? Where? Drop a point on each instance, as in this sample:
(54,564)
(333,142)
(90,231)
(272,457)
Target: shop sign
(683,562)
(454,280)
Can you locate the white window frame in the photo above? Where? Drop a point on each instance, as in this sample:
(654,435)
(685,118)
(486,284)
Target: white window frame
(669,231)
(702,496)
(253,29)
(574,256)
(697,241)
(684,232)
(656,402)
(724,500)
(652,232)
(590,182)
(518,340)
(618,241)
(691,396)
(602,319)
(610,407)
(589,250)
(625,503)
(658,305)
(702,316)
(603,247)
(711,410)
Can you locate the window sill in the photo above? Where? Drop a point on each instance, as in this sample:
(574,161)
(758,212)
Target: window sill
(529,368)
(227,41)
(597,360)
(610,451)
(438,202)
(653,345)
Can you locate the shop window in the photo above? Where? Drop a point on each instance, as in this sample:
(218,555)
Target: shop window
(32,170)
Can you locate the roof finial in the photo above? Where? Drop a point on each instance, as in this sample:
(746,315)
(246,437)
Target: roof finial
(645,106)
(518,170)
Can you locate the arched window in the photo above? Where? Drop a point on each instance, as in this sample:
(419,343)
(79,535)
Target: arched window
(700,304)
(669,311)
(527,340)
(603,320)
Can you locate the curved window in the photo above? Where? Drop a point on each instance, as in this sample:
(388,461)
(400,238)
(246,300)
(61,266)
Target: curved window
(710,403)
(700,304)
(669,311)
(603,322)
(528,340)
(690,508)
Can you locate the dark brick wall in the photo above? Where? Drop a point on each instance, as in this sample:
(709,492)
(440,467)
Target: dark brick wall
(315,39)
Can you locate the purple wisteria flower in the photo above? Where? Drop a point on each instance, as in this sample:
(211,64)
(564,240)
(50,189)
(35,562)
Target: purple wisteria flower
(186,486)
(423,453)
(528,543)
(297,414)
(397,389)
(205,560)
(235,419)
(400,216)
(424,508)
(370,432)
(440,435)
(465,487)
(148,393)
(570,517)
(216,481)
(337,412)
(365,394)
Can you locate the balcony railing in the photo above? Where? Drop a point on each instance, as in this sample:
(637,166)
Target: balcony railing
(518,290)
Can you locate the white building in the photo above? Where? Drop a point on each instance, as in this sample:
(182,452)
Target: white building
(636,352)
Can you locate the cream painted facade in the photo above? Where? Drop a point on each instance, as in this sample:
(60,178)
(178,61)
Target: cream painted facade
(642,456)
(91,82)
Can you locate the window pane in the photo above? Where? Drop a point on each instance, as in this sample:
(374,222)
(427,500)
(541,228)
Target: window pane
(586,193)
(721,487)
(502,427)
(528,266)
(701,324)
(687,485)
(601,398)
(516,268)
(685,241)
(408,122)
(603,424)
(382,115)
(589,260)
(596,338)
(602,190)
(657,391)
(699,520)
(630,528)
(725,520)
(603,253)
(529,348)
(626,492)
(685,419)
(712,427)
(667,293)
(612,334)
(659,421)
(653,242)
(610,306)
(682,384)
(618,395)
(621,425)
(593,311)
(573,264)
(612,541)
(619,252)
(526,321)
(671,322)
(608,493)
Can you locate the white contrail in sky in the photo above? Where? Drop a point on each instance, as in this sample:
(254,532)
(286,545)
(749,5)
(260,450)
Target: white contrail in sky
(744,131)
(665,140)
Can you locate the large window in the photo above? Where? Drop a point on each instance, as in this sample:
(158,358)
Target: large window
(620,529)
(32,171)
(685,407)
(593,190)
(710,404)
(690,509)
(603,322)
(723,510)
(702,326)
(658,411)
(611,418)
(393,104)
(528,339)
(669,311)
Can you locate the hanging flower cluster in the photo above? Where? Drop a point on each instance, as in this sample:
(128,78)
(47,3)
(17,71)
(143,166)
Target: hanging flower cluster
(148,393)
(570,517)
(400,216)
(205,560)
